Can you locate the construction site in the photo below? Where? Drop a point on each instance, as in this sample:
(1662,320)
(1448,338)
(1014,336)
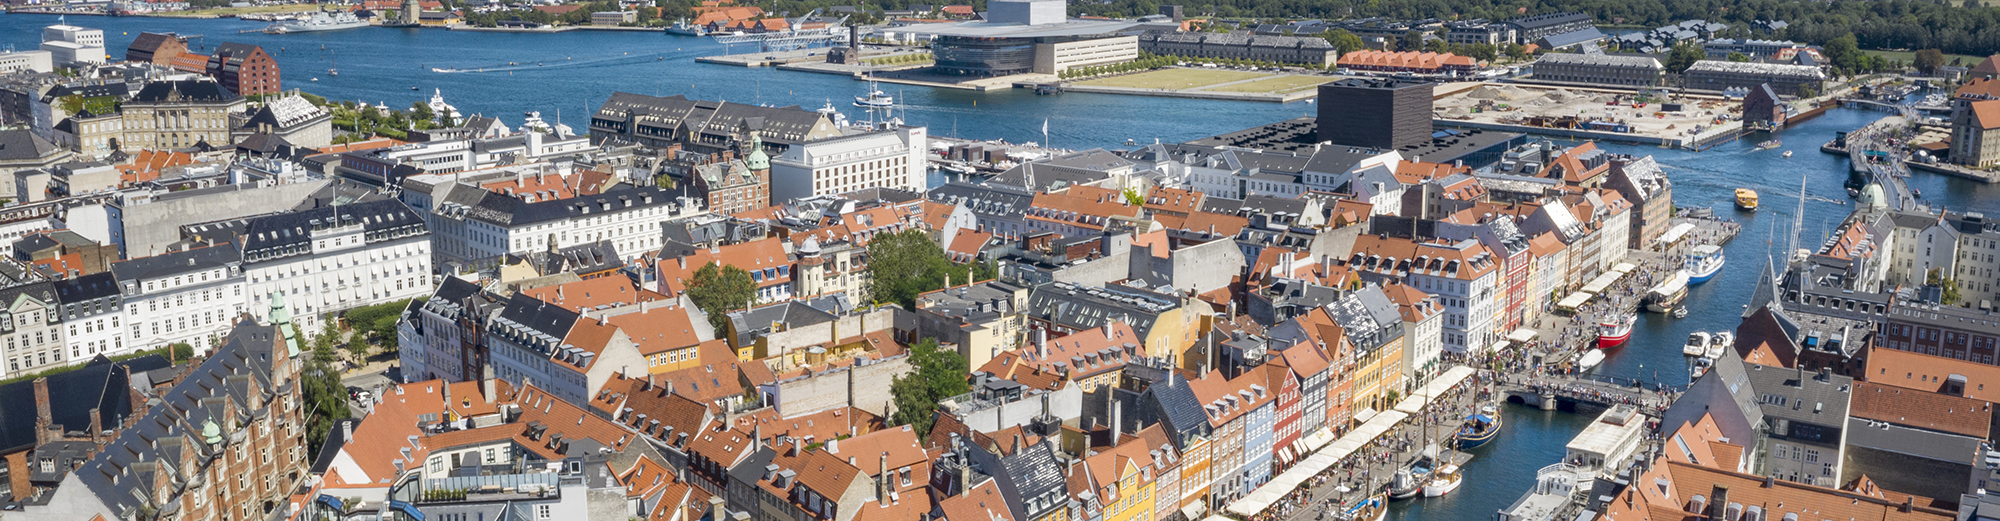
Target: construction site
(1648,117)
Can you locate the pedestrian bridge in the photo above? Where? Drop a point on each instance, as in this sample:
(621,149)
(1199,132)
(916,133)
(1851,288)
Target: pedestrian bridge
(1575,393)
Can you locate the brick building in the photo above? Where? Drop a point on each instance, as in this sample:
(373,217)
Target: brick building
(244,69)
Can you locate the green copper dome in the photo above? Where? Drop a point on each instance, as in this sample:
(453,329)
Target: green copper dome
(210,432)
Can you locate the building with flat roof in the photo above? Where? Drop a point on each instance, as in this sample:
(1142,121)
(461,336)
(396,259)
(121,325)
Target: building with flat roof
(1789,80)
(888,158)
(1528,29)
(33,60)
(1375,113)
(71,46)
(1601,69)
(1000,49)
(1282,49)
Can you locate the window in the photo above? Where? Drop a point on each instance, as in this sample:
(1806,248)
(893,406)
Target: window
(545,512)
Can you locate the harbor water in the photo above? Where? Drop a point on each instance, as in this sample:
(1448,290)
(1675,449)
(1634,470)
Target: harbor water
(571,73)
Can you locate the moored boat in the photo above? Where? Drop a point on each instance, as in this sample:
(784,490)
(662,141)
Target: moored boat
(1614,332)
(1746,199)
(1375,508)
(1663,298)
(1479,428)
(1589,360)
(318,22)
(1724,341)
(875,99)
(1446,480)
(1703,263)
(1409,482)
(1697,344)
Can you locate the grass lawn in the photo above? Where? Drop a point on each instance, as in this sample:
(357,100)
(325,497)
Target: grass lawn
(1910,56)
(1174,79)
(232,11)
(1278,85)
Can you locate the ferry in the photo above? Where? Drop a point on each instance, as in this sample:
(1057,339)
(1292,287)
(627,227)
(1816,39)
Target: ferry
(1703,263)
(1663,298)
(1697,344)
(1590,359)
(1409,482)
(1375,508)
(1615,332)
(319,22)
(1447,480)
(1724,341)
(1479,428)
(875,99)
(1746,199)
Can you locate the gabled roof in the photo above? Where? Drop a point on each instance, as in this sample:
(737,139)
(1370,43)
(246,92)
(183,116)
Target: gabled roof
(1922,409)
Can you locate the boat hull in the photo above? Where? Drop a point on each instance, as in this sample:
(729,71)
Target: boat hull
(1474,440)
(292,29)
(1442,487)
(1704,275)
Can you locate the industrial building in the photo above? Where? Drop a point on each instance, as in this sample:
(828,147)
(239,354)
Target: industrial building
(1600,69)
(1789,80)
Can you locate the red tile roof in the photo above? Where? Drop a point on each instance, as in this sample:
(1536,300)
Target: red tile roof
(1922,409)
(1927,372)
(1986,114)
(590,293)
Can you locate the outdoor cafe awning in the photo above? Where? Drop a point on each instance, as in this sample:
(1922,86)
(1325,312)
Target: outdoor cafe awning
(1574,300)
(1676,233)
(1264,496)
(1521,335)
(1602,282)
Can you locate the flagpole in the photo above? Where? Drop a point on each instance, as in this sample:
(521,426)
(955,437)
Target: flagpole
(1045,135)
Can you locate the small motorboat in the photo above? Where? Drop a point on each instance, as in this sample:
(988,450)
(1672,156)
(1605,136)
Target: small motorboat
(1697,344)
(1446,480)
(1590,359)
(1767,145)
(1614,332)
(1788,154)
(1700,367)
(1724,341)
(1681,312)
(1746,199)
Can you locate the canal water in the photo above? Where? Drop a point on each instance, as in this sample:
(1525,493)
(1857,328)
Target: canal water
(573,72)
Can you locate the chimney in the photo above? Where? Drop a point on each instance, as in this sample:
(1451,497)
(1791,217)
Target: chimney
(486,385)
(882,481)
(1117,419)
(447,394)
(1041,343)
(833,445)
(41,410)
(1718,503)
(347,432)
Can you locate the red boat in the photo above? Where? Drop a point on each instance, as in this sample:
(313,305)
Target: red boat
(1614,332)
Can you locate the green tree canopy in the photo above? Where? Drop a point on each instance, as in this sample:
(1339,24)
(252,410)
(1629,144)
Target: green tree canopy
(1344,41)
(718,289)
(905,264)
(936,374)
(1928,60)
(325,401)
(1738,57)
(1684,56)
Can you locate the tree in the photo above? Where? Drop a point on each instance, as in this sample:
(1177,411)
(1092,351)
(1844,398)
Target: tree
(1928,60)
(1845,53)
(1684,56)
(718,289)
(1344,41)
(1412,40)
(1515,51)
(325,401)
(1738,57)
(935,374)
(1936,278)
(905,264)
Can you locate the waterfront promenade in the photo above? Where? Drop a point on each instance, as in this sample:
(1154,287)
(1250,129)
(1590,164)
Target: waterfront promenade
(1562,335)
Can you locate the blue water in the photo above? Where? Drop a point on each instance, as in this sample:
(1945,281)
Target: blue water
(573,72)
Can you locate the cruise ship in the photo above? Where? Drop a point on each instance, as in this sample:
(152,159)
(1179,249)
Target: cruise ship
(319,21)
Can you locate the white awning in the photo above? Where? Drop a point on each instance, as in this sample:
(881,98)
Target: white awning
(1522,335)
(1603,281)
(1574,300)
(1676,233)
(1623,267)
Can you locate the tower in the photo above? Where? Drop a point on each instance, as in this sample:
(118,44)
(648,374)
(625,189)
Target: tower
(411,9)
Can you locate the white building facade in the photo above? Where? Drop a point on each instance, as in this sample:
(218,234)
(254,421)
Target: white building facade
(327,260)
(893,158)
(190,296)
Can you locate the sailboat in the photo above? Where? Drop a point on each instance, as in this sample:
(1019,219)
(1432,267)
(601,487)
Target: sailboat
(331,60)
(875,99)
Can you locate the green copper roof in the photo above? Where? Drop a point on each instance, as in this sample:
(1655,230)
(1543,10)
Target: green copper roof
(282,317)
(757,160)
(210,432)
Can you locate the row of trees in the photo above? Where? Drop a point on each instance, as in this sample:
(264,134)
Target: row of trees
(1885,24)
(900,59)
